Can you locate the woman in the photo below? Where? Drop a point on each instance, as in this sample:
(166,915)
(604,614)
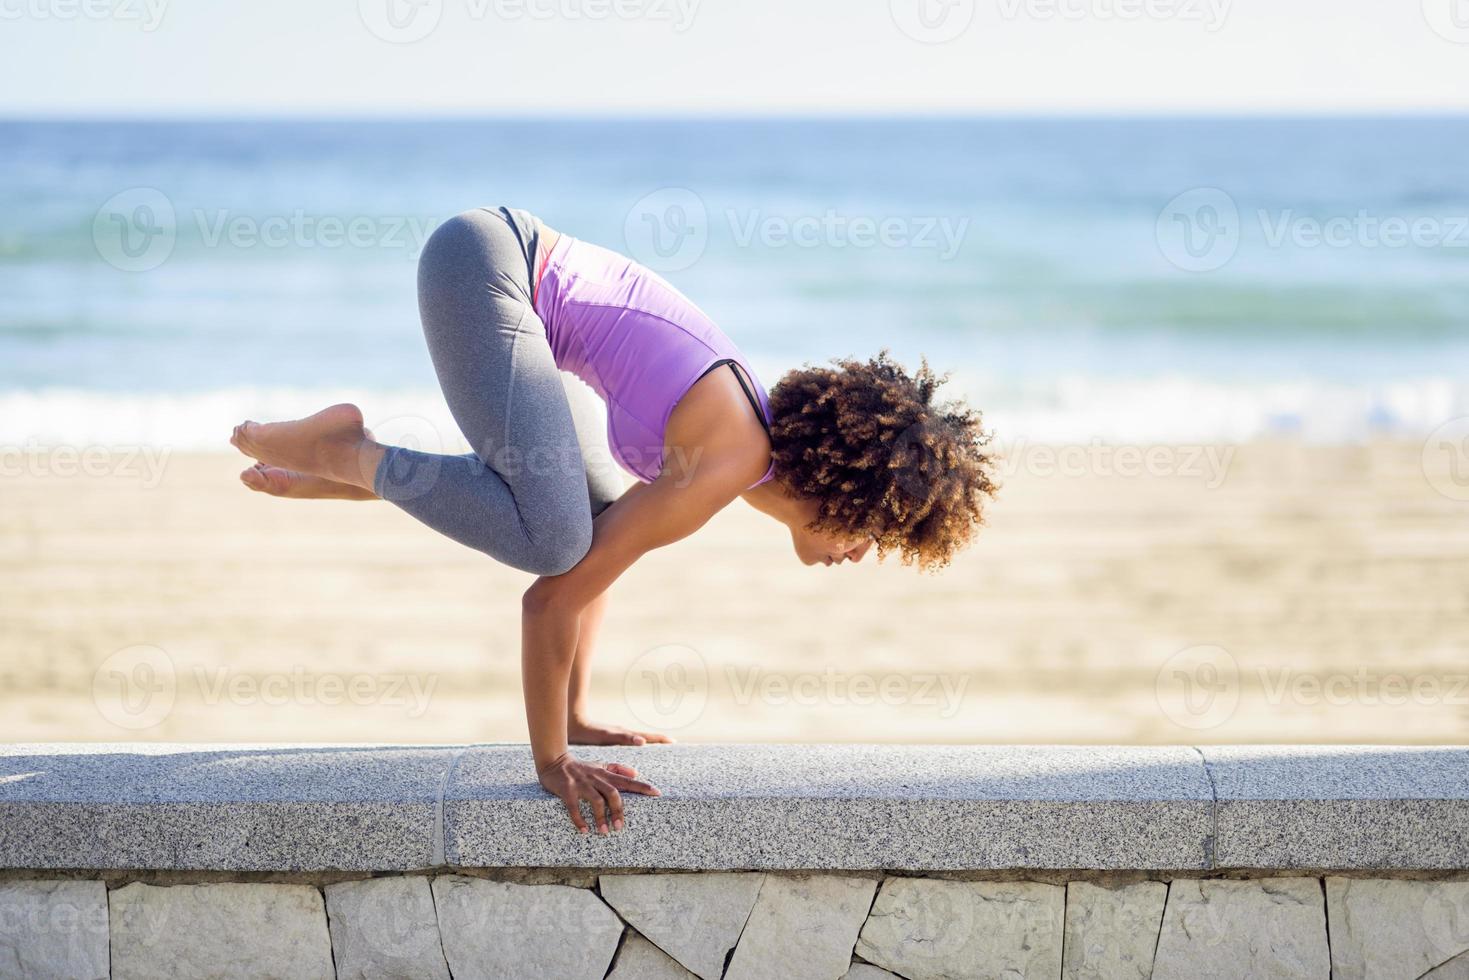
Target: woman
(846,458)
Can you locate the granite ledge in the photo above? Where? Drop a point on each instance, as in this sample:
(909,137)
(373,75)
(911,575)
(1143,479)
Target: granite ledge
(854,807)
(306,808)
(1341,807)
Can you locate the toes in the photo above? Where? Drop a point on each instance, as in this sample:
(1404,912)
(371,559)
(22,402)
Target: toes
(240,433)
(270,479)
(254,478)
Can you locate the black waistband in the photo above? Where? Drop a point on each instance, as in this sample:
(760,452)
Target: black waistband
(528,248)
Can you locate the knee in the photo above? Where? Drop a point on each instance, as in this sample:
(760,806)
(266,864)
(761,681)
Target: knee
(451,239)
(558,552)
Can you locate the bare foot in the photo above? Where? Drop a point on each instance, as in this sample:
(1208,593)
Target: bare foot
(299,486)
(591,733)
(332,444)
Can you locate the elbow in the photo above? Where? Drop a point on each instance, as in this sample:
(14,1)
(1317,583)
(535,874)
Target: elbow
(546,598)
(537,600)
(554,591)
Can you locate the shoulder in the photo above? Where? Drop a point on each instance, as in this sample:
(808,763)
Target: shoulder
(714,427)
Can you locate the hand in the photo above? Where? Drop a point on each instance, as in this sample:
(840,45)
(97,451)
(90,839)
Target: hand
(575,781)
(580,732)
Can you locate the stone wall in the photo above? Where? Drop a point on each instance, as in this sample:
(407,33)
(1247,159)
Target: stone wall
(739,926)
(759,862)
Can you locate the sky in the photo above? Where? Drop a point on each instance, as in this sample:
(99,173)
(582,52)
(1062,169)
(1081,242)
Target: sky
(591,57)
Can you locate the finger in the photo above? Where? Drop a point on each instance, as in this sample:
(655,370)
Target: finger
(573,809)
(632,785)
(657,738)
(622,769)
(614,804)
(599,808)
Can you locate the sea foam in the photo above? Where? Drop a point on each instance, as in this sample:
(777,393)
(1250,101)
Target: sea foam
(1067,410)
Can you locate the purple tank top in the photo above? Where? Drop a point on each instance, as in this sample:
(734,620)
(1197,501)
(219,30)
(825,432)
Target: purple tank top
(637,341)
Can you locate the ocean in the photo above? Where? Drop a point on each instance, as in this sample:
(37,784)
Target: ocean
(1134,280)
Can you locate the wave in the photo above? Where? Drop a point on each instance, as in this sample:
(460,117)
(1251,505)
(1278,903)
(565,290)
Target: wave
(1062,410)
(1184,409)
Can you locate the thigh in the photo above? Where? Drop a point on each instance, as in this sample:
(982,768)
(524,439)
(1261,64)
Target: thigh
(605,482)
(495,365)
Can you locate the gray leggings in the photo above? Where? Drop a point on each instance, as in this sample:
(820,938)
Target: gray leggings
(540,470)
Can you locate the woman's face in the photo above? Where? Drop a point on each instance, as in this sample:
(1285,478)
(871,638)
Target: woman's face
(822,548)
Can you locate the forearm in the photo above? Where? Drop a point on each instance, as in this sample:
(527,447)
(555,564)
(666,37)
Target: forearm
(548,651)
(579,686)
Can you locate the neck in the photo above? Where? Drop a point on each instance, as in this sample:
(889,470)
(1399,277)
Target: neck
(774,499)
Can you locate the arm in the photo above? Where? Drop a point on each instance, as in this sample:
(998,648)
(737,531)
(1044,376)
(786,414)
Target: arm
(578,690)
(581,729)
(646,517)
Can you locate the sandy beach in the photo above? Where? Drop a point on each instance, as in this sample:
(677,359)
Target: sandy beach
(1268,592)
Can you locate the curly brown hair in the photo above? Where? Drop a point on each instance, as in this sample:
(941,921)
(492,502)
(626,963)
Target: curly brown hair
(867,441)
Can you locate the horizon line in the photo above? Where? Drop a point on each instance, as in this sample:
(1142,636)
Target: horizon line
(732,115)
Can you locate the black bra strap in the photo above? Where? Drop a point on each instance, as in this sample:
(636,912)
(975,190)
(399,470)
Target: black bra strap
(740,377)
